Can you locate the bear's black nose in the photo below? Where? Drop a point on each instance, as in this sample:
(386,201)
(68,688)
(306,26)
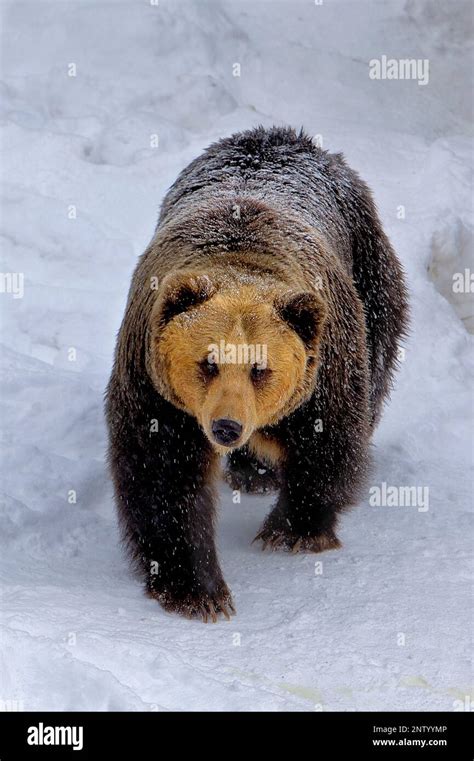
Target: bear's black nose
(226,431)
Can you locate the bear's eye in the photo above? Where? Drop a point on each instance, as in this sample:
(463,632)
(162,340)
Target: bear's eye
(259,374)
(208,369)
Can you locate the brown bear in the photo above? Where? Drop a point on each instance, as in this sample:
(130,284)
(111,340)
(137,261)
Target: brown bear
(262,322)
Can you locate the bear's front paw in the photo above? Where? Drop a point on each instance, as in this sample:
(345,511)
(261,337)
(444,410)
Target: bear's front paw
(200,605)
(285,539)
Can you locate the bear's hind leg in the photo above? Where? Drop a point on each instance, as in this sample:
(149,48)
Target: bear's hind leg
(246,473)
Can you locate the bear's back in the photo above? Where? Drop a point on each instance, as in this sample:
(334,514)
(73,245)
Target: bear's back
(279,167)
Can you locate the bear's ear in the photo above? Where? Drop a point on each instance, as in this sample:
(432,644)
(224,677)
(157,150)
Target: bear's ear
(305,313)
(181,292)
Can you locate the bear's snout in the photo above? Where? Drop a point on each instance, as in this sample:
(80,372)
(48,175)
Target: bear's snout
(226,431)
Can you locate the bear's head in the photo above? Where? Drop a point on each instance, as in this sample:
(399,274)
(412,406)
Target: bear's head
(235,355)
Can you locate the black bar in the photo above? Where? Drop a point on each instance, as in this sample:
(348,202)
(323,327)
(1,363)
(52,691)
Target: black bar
(137,735)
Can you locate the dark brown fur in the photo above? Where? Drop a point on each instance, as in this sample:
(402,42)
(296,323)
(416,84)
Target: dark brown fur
(265,206)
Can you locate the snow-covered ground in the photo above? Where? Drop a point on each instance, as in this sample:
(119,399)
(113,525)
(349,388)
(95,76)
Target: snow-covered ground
(385,622)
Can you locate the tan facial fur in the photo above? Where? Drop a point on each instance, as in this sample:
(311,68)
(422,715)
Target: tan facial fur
(231,390)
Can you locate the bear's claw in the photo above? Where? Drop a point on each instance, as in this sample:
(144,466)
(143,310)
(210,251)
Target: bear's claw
(277,539)
(204,607)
